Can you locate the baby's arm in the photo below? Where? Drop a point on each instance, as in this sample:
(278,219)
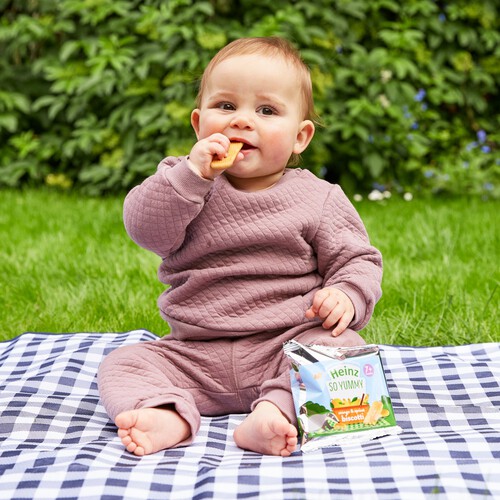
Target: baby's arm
(157,212)
(346,259)
(334,307)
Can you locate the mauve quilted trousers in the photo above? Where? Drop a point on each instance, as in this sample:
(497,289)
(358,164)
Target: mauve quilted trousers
(212,377)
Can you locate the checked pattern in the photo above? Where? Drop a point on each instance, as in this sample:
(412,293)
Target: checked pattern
(56,440)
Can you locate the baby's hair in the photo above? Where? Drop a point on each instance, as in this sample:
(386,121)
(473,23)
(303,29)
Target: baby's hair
(267,46)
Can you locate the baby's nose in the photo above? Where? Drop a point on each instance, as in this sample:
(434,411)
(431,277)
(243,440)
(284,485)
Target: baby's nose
(242,120)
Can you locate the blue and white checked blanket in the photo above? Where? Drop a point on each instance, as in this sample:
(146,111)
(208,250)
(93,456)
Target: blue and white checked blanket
(56,440)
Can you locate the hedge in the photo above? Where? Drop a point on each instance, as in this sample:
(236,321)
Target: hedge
(95,92)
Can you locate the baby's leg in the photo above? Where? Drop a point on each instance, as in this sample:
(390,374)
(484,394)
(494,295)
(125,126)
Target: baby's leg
(151,413)
(148,430)
(266,430)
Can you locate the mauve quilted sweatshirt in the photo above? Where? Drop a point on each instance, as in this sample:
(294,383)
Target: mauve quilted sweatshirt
(239,262)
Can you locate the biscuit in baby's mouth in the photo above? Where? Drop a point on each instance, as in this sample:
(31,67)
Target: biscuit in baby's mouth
(232,153)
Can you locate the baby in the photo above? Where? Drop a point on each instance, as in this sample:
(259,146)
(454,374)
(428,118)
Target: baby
(255,254)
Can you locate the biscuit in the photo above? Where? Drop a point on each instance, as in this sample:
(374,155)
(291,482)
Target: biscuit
(374,413)
(232,153)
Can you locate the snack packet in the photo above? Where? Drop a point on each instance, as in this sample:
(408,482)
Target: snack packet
(340,394)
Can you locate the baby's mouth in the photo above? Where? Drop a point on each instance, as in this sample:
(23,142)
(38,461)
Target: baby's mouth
(246,145)
(247,148)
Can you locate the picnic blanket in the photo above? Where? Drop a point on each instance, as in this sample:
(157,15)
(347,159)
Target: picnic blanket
(56,440)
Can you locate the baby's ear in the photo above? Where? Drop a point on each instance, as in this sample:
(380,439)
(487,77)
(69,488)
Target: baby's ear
(195,121)
(304,136)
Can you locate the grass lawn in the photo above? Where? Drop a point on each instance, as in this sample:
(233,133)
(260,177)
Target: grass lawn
(67,265)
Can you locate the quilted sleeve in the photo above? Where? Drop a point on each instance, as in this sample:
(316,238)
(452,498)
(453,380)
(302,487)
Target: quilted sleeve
(157,212)
(346,259)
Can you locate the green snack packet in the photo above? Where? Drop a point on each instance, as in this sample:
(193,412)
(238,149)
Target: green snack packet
(340,394)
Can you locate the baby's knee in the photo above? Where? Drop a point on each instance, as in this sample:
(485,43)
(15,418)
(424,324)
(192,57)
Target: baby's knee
(121,362)
(116,357)
(121,378)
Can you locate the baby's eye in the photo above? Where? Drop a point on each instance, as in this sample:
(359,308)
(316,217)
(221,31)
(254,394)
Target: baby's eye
(267,110)
(226,106)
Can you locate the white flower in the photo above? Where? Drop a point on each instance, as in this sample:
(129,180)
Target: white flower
(375,195)
(385,75)
(384,102)
(408,197)
(387,194)
(357,197)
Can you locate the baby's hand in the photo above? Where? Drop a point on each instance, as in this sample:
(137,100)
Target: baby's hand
(204,151)
(333,307)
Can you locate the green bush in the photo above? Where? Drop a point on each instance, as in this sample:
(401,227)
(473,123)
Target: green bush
(95,92)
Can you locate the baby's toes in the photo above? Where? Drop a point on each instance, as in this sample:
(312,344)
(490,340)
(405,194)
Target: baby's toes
(140,451)
(285,452)
(123,433)
(126,440)
(131,446)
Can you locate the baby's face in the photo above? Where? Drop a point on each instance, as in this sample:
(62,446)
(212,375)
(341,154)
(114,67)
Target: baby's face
(255,100)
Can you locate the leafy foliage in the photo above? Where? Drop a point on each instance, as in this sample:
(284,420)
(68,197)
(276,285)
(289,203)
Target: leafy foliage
(95,92)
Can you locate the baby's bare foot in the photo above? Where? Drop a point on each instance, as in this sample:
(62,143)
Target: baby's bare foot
(266,430)
(149,430)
